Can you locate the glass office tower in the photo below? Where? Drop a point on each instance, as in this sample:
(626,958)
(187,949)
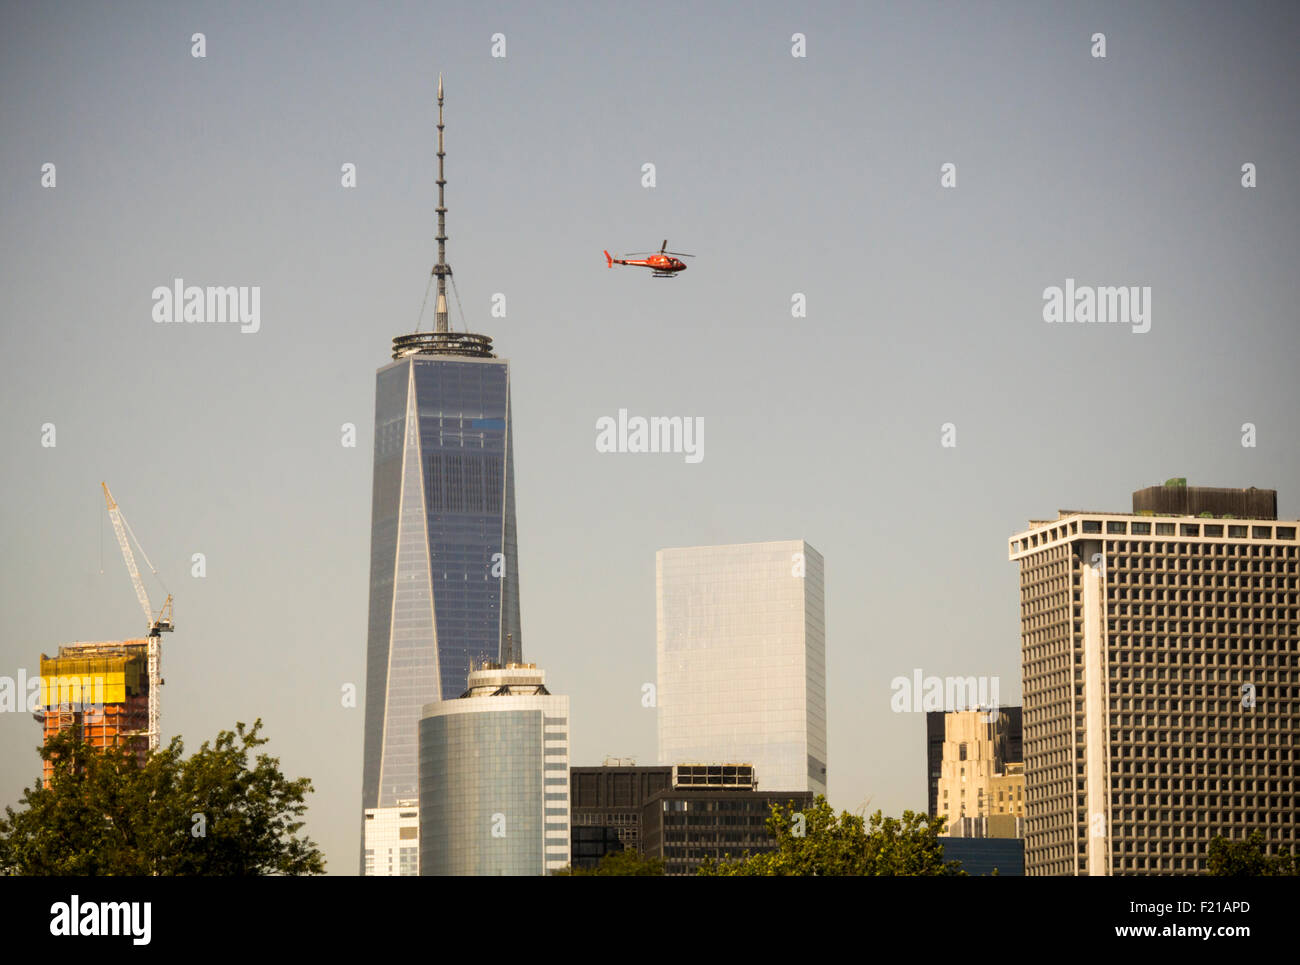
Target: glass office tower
(444,579)
(494,777)
(742,660)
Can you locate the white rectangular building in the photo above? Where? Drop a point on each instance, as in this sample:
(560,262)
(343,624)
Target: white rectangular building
(742,660)
(391,840)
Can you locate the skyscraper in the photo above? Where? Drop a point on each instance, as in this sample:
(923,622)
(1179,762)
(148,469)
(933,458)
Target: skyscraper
(742,660)
(1158,653)
(494,777)
(444,578)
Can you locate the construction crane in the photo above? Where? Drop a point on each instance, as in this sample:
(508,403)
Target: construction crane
(158,625)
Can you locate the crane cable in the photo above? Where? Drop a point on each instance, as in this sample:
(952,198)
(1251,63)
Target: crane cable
(145,555)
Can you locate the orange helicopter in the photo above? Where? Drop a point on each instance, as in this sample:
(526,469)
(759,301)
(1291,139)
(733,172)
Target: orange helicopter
(665,263)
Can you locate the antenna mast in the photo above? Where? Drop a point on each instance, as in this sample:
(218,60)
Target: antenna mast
(441,269)
(442,340)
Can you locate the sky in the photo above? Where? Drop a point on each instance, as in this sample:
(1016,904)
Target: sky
(818,175)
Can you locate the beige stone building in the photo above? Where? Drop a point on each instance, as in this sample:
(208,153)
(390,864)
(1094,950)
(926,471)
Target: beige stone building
(1161,684)
(980,792)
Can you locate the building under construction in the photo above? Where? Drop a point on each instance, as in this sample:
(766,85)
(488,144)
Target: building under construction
(103,687)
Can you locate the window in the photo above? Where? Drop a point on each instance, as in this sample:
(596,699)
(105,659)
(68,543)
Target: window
(409,861)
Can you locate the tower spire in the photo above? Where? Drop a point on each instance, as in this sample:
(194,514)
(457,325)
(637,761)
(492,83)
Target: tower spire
(442,340)
(441,269)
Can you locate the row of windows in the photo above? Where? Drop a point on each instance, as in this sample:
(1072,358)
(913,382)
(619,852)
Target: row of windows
(1237,624)
(1228,705)
(748,838)
(1164,738)
(1131,567)
(689,853)
(1208,530)
(1198,807)
(722,820)
(751,807)
(1186,602)
(1165,617)
(615,819)
(1168,683)
(1259,761)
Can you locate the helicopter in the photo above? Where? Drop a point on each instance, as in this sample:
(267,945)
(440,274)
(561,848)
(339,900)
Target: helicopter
(665,263)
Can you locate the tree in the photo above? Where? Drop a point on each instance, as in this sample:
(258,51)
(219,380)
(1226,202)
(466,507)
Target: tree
(816,842)
(210,814)
(620,863)
(1240,859)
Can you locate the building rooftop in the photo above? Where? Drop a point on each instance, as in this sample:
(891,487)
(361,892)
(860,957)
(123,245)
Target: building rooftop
(1184,512)
(506,680)
(1176,498)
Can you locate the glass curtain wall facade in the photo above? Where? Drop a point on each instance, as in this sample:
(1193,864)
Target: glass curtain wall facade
(494,784)
(444,579)
(742,660)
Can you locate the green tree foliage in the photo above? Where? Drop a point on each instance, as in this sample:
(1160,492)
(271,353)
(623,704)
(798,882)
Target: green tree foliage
(845,845)
(620,863)
(1240,859)
(208,814)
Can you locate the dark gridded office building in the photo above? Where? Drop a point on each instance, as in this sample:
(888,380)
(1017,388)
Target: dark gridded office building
(605,808)
(711,811)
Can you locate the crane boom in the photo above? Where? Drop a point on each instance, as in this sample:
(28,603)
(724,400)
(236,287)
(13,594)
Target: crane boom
(119,527)
(157,625)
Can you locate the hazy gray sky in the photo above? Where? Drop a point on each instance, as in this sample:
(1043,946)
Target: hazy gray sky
(818,175)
